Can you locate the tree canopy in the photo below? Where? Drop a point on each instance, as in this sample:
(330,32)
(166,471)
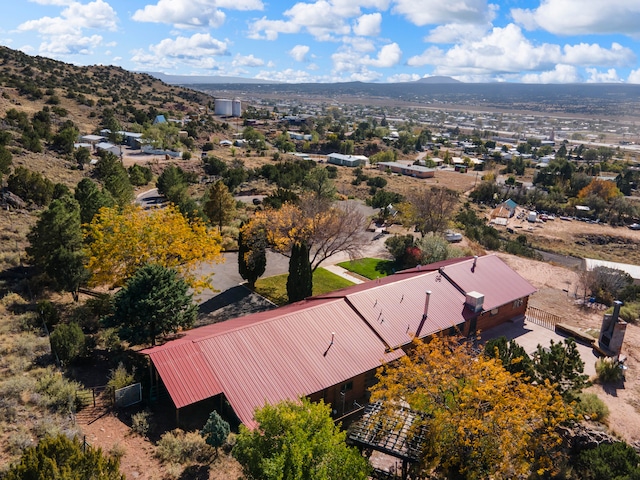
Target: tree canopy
(56,244)
(220,204)
(121,241)
(154,302)
(297,441)
(483,421)
(61,458)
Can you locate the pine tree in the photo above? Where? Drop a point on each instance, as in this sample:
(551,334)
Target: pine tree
(252,254)
(215,431)
(300,280)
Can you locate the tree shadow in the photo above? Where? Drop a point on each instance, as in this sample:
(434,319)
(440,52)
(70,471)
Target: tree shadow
(195,472)
(234,302)
(388,267)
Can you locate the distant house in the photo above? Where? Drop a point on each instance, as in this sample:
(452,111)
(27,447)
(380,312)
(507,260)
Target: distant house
(347,160)
(299,136)
(328,347)
(417,171)
(108,147)
(159,119)
(506,209)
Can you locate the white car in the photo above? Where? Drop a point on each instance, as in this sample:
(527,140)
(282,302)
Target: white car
(453,237)
(635,226)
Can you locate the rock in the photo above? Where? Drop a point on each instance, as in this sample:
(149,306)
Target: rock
(13,200)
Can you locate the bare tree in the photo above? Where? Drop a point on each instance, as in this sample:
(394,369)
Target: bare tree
(432,208)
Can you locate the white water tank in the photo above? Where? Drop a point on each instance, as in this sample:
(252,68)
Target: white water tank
(223,107)
(236,108)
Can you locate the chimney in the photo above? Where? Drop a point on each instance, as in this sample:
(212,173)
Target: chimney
(475,260)
(616,310)
(475,301)
(424,315)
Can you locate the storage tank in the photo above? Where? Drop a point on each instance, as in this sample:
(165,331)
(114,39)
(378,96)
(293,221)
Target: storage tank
(223,107)
(236,108)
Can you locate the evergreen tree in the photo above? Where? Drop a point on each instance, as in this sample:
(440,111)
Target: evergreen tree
(115,178)
(154,302)
(300,279)
(215,431)
(91,199)
(57,245)
(63,459)
(561,364)
(252,253)
(220,206)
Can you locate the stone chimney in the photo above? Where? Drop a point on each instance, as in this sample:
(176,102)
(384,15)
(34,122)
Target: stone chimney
(612,331)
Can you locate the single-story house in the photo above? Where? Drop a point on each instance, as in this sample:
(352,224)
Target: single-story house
(108,147)
(328,347)
(506,209)
(417,171)
(299,136)
(92,139)
(347,160)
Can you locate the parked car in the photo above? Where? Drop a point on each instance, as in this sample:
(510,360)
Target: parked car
(635,226)
(453,237)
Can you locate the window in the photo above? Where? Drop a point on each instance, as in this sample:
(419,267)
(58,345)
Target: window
(518,303)
(347,387)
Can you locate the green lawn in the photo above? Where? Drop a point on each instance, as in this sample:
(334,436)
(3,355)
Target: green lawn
(370,268)
(275,288)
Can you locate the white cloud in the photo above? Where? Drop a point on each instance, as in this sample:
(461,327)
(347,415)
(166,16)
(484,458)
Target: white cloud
(403,77)
(368,25)
(288,76)
(434,12)
(594,54)
(299,52)
(574,17)
(388,56)
(634,76)
(182,13)
(199,47)
(60,3)
(560,74)
(324,19)
(456,32)
(64,35)
(503,50)
(610,76)
(247,61)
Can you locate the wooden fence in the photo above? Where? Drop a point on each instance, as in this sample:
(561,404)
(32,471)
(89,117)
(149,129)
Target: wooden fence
(542,318)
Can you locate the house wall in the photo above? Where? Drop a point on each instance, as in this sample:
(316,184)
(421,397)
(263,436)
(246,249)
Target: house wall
(493,318)
(355,389)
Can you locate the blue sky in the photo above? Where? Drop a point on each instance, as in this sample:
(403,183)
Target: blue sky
(531,41)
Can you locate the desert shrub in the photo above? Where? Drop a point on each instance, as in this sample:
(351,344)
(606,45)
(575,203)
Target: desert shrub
(30,346)
(109,340)
(182,447)
(13,387)
(57,392)
(120,377)
(141,423)
(68,342)
(608,370)
(590,405)
(48,313)
(18,441)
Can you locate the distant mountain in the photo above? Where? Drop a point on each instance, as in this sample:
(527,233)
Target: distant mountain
(205,79)
(437,80)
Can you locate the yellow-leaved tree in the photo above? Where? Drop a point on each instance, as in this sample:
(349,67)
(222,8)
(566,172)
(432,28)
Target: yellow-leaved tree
(122,240)
(482,421)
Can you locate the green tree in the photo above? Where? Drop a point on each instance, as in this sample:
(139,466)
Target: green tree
(30,186)
(56,245)
(220,205)
(6,160)
(514,358)
(318,182)
(82,156)
(297,441)
(617,461)
(115,178)
(91,199)
(139,175)
(61,458)
(300,279)
(154,302)
(64,140)
(252,253)
(562,366)
(67,341)
(215,431)
(172,184)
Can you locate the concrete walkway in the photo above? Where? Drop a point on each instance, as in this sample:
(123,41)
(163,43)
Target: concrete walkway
(344,273)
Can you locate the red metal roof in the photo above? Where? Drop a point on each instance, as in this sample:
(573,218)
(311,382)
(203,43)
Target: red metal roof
(287,352)
(395,310)
(491,277)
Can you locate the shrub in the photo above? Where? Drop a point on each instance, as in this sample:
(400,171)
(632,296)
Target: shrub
(68,342)
(215,431)
(182,447)
(141,423)
(590,405)
(120,377)
(609,370)
(57,392)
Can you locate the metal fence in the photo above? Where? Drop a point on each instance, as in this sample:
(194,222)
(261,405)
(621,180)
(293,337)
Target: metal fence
(127,396)
(542,318)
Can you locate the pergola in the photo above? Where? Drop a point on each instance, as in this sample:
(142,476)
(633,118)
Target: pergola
(397,431)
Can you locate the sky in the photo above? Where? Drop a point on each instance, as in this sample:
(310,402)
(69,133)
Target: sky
(526,41)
